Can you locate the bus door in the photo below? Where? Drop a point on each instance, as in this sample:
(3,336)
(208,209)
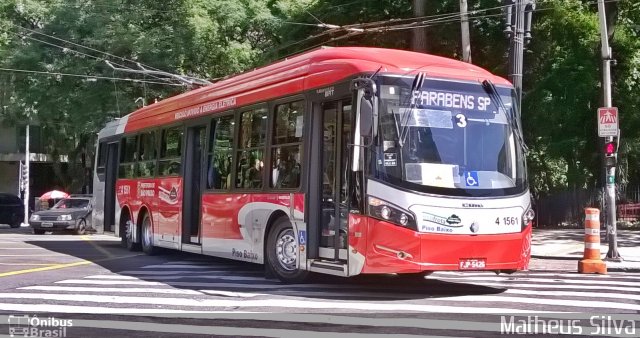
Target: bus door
(193,171)
(336,135)
(111,174)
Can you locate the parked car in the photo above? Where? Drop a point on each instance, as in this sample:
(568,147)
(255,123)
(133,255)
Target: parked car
(11,210)
(73,213)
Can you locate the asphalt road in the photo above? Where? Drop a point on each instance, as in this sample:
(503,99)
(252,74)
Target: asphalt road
(105,290)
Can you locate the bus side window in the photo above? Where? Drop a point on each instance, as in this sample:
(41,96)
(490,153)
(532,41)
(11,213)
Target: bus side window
(286,147)
(147,160)
(128,156)
(170,163)
(102,160)
(253,128)
(220,152)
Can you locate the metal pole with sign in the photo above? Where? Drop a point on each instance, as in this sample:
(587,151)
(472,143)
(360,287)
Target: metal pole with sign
(608,128)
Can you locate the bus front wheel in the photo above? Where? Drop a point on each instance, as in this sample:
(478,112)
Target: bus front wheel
(283,251)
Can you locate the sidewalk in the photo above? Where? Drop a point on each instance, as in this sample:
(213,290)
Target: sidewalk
(561,249)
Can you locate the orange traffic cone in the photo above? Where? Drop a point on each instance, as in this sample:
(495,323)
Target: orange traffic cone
(591,262)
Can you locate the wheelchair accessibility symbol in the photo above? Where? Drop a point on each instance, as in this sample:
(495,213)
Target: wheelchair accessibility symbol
(471,179)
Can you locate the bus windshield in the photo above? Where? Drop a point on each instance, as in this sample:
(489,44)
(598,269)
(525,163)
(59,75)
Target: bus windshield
(451,138)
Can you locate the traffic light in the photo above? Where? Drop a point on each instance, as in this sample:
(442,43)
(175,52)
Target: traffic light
(610,149)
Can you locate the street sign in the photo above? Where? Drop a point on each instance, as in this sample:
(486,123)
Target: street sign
(608,122)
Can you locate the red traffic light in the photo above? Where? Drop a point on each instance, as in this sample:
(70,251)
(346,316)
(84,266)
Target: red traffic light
(609,148)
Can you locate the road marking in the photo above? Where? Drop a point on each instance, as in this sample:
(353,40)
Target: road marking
(551,286)
(111,277)
(181,266)
(508,280)
(183,329)
(22,249)
(36,255)
(42,264)
(584,295)
(180,272)
(62,266)
(275,332)
(274,303)
(97,247)
(101,289)
(45,268)
(108,282)
(450,274)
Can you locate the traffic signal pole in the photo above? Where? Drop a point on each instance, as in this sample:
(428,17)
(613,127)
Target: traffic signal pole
(610,168)
(518,30)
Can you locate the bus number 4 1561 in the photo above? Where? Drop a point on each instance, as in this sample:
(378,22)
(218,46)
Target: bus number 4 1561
(507,220)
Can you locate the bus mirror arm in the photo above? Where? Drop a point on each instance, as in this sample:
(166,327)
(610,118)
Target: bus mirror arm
(365,110)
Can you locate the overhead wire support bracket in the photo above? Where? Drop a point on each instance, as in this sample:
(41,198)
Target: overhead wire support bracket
(191,81)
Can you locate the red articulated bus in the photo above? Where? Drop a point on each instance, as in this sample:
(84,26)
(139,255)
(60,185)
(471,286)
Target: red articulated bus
(343,161)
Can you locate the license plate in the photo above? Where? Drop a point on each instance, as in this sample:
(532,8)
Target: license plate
(472,264)
(46,225)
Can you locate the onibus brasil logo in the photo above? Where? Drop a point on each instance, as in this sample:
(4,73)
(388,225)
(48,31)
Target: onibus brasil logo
(32,326)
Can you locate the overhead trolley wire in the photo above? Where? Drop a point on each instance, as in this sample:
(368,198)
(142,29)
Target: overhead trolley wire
(90,77)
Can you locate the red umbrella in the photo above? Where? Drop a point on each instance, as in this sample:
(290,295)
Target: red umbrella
(53,194)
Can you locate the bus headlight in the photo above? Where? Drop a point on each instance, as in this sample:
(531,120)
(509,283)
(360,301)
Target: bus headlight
(386,211)
(527,217)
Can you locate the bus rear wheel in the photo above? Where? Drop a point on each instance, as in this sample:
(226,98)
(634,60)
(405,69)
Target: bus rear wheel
(282,252)
(147,236)
(127,233)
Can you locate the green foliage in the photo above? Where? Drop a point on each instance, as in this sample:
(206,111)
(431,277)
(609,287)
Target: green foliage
(216,38)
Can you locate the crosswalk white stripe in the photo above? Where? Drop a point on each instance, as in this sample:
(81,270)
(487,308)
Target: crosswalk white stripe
(171,277)
(544,280)
(238,278)
(535,274)
(111,277)
(187,266)
(559,302)
(317,318)
(109,282)
(222,330)
(585,295)
(117,290)
(233,293)
(179,272)
(557,286)
(305,293)
(264,303)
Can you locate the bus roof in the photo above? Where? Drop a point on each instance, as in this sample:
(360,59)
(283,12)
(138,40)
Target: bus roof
(313,69)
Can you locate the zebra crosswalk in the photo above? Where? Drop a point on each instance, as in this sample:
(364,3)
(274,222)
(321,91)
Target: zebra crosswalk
(194,297)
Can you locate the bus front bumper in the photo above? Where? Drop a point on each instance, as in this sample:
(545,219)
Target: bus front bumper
(393,249)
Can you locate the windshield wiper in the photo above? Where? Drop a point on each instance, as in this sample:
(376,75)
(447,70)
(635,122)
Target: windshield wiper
(491,89)
(418,81)
(395,121)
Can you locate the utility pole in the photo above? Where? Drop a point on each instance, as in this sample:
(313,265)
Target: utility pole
(419,37)
(610,166)
(27,156)
(466,41)
(518,30)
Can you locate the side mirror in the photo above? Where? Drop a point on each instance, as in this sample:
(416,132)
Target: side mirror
(366,116)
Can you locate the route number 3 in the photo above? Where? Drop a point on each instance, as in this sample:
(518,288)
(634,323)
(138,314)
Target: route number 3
(462,120)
